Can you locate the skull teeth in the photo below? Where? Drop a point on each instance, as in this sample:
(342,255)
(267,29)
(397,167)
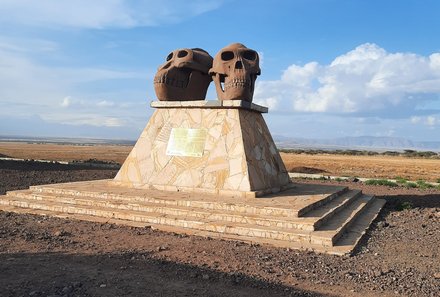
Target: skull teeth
(171,81)
(237,83)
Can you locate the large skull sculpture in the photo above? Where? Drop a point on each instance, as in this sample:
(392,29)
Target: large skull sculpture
(234,72)
(184,75)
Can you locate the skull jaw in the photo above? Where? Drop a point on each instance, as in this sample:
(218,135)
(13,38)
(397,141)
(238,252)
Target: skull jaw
(236,88)
(176,85)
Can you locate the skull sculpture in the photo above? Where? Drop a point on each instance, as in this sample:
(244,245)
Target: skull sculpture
(184,75)
(234,72)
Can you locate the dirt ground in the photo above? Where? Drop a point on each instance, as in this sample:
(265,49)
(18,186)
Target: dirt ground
(338,165)
(42,256)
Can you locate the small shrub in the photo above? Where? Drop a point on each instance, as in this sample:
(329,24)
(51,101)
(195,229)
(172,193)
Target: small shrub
(401,180)
(411,185)
(423,184)
(371,153)
(390,153)
(426,154)
(338,179)
(409,153)
(381,182)
(404,206)
(438,180)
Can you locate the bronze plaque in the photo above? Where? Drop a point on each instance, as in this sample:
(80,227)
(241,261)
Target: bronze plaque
(186,142)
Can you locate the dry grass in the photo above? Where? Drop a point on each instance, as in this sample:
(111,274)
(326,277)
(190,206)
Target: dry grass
(64,152)
(367,166)
(339,165)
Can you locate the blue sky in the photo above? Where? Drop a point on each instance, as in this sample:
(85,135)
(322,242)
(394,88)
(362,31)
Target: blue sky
(329,68)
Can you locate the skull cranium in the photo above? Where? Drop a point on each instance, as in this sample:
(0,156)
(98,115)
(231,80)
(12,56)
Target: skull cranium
(184,75)
(234,71)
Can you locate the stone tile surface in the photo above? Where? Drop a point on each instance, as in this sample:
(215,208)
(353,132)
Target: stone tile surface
(215,104)
(274,219)
(239,154)
(286,203)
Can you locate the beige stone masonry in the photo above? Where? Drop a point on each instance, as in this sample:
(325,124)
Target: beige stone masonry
(234,104)
(211,168)
(318,217)
(239,155)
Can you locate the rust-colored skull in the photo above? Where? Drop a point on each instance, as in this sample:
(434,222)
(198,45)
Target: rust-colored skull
(184,76)
(234,72)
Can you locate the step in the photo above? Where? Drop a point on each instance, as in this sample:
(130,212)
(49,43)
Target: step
(332,208)
(325,237)
(345,245)
(171,220)
(233,217)
(63,215)
(313,192)
(309,222)
(291,203)
(319,217)
(99,212)
(170,201)
(334,228)
(352,236)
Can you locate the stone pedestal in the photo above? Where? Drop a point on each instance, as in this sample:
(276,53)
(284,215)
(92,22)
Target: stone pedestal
(213,148)
(220,147)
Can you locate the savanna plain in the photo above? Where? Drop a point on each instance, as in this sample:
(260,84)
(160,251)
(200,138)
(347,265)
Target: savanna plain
(45,256)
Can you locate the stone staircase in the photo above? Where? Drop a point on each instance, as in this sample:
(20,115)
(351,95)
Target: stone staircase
(328,219)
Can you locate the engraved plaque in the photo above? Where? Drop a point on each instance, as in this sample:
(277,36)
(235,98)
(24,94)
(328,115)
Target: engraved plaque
(186,142)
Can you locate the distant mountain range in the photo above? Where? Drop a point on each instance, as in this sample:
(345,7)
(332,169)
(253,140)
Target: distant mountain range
(361,142)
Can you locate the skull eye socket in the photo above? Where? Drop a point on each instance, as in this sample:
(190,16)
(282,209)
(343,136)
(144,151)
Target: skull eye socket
(170,56)
(250,55)
(182,54)
(228,55)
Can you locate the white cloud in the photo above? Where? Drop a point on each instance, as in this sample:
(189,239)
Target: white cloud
(363,80)
(21,79)
(430,120)
(415,120)
(105,103)
(29,88)
(66,102)
(26,81)
(99,121)
(261,59)
(75,103)
(27,44)
(101,14)
(96,120)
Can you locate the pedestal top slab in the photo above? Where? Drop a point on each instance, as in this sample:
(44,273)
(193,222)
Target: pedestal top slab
(212,104)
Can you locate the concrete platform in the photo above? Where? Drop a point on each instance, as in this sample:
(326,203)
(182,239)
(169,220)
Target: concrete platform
(322,218)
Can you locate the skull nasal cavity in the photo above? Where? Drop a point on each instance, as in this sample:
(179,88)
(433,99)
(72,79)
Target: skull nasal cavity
(238,65)
(182,54)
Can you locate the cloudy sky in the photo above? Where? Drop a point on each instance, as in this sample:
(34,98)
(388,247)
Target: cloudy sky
(330,68)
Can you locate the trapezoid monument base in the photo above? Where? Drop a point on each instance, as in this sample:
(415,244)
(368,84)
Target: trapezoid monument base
(219,147)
